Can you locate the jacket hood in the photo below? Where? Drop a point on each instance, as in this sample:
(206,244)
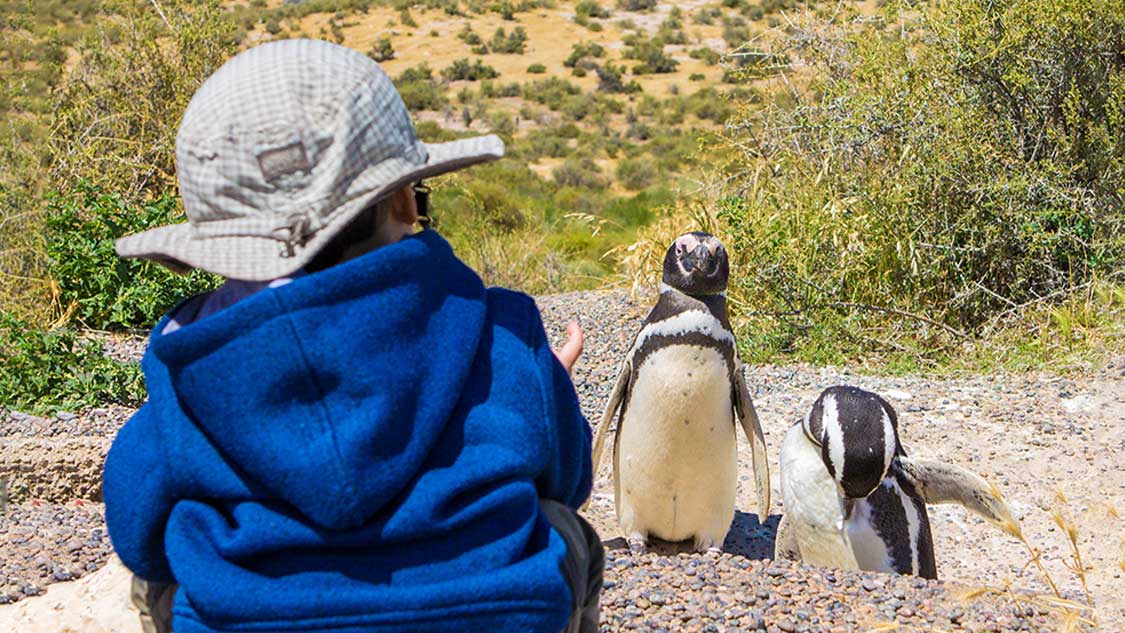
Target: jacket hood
(330,390)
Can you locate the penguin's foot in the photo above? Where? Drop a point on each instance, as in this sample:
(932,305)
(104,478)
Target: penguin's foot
(706,546)
(637,544)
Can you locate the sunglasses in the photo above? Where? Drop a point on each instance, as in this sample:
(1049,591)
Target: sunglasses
(422,201)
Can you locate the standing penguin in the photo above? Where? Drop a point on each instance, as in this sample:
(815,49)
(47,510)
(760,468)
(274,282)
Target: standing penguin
(680,390)
(854,500)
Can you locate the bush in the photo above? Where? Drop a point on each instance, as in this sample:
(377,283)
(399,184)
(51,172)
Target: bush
(464,70)
(510,43)
(652,57)
(382,50)
(97,287)
(636,173)
(986,172)
(609,80)
(580,173)
(42,372)
(636,5)
(418,89)
(706,55)
(587,9)
(582,50)
(551,92)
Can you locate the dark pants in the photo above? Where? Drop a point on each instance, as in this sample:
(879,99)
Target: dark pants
(582,568)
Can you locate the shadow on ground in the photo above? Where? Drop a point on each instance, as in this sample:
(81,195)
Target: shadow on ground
(747,537)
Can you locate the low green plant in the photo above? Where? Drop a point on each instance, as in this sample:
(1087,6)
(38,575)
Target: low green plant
(580,173)
(706,55)
(610,80)
(419,90)
(650,53)
(45,371)
(581,51)
(97,288)
(513,43)
(536,69)
(464,70)
(382,50)
(636,173)
(636,5)
(590,9)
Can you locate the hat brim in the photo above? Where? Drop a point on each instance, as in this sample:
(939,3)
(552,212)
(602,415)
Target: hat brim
(261,258)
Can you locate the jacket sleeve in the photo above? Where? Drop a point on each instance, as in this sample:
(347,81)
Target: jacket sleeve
(138,491)
(567,476)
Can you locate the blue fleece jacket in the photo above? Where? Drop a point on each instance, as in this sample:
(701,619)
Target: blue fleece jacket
(362,449)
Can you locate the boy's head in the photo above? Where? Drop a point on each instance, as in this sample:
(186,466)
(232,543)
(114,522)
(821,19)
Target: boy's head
(296,154)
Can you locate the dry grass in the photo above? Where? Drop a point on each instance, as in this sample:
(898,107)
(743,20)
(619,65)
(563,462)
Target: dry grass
(1071,615)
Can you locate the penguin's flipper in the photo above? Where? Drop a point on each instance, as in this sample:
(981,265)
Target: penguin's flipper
(748,417)
(937,482)
(615,399)
(785,542)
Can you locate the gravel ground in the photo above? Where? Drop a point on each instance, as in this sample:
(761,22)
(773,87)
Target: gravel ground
(1030,434)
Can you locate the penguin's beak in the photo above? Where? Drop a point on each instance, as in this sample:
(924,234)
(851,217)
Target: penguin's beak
(696,258)
(849,506)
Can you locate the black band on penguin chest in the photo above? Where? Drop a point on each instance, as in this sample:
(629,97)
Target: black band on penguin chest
(673,303)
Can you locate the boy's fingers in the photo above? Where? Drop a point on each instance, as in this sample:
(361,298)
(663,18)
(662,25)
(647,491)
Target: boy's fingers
(572,349)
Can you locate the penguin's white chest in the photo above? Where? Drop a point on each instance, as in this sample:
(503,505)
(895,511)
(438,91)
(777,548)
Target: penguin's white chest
(677,452)
(817,511)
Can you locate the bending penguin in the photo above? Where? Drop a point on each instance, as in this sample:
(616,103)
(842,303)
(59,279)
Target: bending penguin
(679,394)
(854,500)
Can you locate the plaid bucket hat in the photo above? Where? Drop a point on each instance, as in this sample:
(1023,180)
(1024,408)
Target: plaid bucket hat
(280,149)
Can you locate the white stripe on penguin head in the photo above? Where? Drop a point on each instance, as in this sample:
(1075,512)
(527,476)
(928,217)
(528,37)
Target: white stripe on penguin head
(834,435)
(889,447)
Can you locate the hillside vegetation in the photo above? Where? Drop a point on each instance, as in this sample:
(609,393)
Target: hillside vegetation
(915,184)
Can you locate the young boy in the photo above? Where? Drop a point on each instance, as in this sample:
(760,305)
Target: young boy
(353,434)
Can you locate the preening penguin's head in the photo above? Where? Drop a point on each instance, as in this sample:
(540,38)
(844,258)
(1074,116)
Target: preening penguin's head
(696,264)
(858,436)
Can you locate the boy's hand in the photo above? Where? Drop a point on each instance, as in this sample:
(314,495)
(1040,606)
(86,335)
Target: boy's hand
(572,349)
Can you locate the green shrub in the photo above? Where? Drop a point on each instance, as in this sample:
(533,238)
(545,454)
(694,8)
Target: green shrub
(551,92)
(42,372)
(636,173)
(407,19)
(636,5)
(985,172)
(418,89)
(382,50)
(536,69)
(706,55)
(469,36)
(707,15)
(582,50)
(590,9)
(510,43)
(652,57)
(464,70)
(100,289)
(580,173)
(609,80)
